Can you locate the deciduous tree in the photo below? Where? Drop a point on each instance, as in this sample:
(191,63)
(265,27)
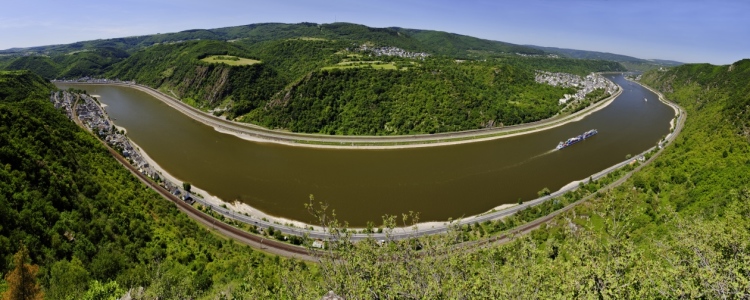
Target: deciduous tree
(22,284)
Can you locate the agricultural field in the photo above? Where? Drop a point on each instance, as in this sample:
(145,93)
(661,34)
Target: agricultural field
(230,60)
(378,65)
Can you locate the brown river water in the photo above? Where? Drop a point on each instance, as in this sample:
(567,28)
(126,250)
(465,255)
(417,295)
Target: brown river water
(362,185)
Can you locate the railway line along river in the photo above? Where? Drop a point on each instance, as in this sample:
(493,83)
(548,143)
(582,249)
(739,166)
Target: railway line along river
(362,185)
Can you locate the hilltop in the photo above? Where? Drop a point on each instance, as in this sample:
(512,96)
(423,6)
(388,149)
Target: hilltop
(439,43)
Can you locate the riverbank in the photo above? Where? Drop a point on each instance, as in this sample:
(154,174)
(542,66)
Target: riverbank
(677,110)
(243,212)
(431,227)
(216,202)
(256,133)
(234,208)
(239,208)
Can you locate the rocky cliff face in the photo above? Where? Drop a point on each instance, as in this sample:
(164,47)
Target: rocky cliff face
(206,84)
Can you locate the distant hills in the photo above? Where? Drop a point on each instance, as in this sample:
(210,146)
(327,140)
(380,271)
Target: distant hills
(436,42)
(632,63)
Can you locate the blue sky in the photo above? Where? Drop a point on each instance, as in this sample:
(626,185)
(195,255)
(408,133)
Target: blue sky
(717,32)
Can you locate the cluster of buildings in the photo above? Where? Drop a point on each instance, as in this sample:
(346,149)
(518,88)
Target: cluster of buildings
(94,80)
(63,101)
(392,51)
(550,55)
(584,85)
(93,117)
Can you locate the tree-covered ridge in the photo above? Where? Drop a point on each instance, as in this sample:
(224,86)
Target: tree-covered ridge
(291,89)
(413,40)
(16,86)
(631,63)
(293,57)
(41,65)
(90,225)
(729,83)
(177,70)
(462,46)
(679,228)
(436,96)
(89,62)
(581,67)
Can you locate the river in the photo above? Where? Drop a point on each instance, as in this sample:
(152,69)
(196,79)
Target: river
(362,185)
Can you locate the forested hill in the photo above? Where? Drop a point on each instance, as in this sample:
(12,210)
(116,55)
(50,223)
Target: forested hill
(94,58)
(724,87)
(348,91)
(437,96)
(335,78)
(16,86)
(679,228)
(632,63)
(91,226)
(431,41)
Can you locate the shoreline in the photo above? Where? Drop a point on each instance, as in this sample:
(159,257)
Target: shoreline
(243,208)
(407,232)
(677,112)
(249,211)
(237,206)
(255,133)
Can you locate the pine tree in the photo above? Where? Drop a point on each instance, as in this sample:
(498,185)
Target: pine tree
(22,284)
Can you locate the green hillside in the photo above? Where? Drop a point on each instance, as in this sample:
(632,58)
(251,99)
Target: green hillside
(679,228)
(254,33)
(41,65)
(455,69)
(16,86)
(370,101)
(462,46)
(631,63)
(87,221)
(88,62)
(294,86)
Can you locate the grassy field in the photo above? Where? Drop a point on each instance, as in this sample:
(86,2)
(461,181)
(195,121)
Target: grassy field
(230,60)
(378,65)
(304,38)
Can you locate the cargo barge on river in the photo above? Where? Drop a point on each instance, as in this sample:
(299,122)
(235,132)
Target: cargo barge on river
(576,139)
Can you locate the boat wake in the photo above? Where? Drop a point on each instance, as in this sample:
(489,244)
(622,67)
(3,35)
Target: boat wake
(496,170)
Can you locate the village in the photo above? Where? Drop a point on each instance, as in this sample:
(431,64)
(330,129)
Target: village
(93,117)
(392,51)
(584,85)
(94,80)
